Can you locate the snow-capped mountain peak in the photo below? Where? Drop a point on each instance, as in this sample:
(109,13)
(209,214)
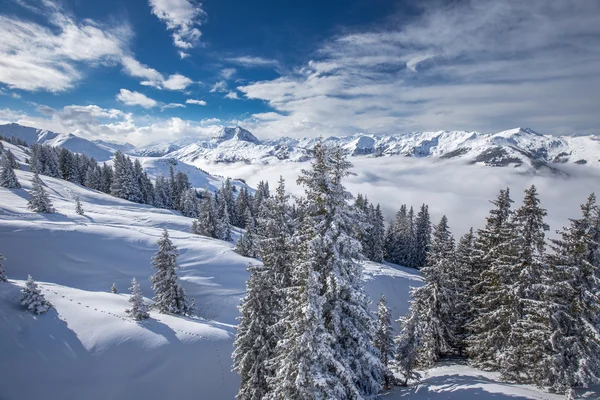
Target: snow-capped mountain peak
(235,133)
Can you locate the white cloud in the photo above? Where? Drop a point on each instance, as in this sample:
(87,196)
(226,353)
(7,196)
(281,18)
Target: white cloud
(183,54)
(232,96)
(480,65)
(35,57)
(130,98)
(251,61)
(172,105)
(195,101)
(220,86)
(182,17)
(227,73)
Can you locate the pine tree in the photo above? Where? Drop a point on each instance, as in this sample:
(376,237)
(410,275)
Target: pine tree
(189,203)
(384,339)
(138,310)
(242,206)
(38,198)
(3,277)
(436,299)
(78,207)
(12,160)
(327,350)
(422,238)
(169,297)
(208,219)
(8,178)
(113,288)
(223,221)
(575,303)
(463,277)
(254,342)
(33,299)
(493,302)
(408,344)
(247,245)
(527,355)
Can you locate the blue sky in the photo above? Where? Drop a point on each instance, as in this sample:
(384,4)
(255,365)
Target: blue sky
(149,70)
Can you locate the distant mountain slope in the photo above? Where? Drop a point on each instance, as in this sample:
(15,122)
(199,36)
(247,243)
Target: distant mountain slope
(519,147)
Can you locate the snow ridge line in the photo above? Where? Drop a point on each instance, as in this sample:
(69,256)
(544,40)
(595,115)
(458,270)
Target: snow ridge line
(212,342)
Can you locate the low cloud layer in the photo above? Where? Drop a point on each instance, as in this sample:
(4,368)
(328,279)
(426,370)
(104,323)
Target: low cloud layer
(461,192)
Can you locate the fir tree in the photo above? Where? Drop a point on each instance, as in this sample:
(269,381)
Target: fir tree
(189,203)
(78,207)
(465,281)
(408,344)
(208,219)
(247,245)
(33,299)
(138,310)
(8,178)
(327,350)
(420,245)
(223,222)
(169,297)
(435,301)
(12,160)
(3,277)
(384,339)
(526,356)
(493,301)
(254,342)
(38,198)
(575,305)
(113,288)
(242,206)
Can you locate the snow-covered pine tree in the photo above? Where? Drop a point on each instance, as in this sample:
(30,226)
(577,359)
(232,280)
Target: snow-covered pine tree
(436,299)
(262,193)
(33,299)
(327,350)
(11,158)
(242,204)
(422,238)
(408,344)
(38,198)
(8,178)
(255,342)
(3,277)
(138,310)
(384,339)
(575,302)
(93,178)
(527,355)
(463,277)
(207,223)
(377,235)
(223,221)
(189,203)
(78,207)
(247,245)
(493,302)
(113,288)
(169,297)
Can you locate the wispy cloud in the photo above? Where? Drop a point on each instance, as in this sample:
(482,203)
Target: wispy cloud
(482,65)
(183,18)
(130,98)
(253,61)
(232,96)
(195,101)
(172,105)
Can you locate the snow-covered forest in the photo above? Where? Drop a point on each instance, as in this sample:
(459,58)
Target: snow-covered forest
(327,277)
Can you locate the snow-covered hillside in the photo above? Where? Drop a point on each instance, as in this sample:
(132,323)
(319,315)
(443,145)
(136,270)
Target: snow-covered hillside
(87,347)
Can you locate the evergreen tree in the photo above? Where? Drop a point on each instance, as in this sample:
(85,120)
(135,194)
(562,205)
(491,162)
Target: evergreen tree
(138,310)
(113,288)
(527,355)
(327,350)
(464,280)
(12,160)
(38,198)
(422,238)
(254,342)
(242,206)
(106,178)
(208,220)
(189,206)
(78,207)
(223,221)
(384,339)
(493,261)
(435,301)
(93,178)
(575,306)
(3,277)
(247,245)
(169,297)
(408,344)
(8,178)
(33,299)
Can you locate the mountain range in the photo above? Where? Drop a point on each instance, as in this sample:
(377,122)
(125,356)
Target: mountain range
(519,147)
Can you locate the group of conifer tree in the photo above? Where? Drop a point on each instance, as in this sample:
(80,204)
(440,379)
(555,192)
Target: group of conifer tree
(507,302)
(305,330)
